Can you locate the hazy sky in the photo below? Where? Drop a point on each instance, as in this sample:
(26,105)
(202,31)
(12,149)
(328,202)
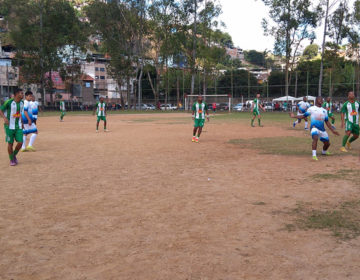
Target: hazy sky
(243,21)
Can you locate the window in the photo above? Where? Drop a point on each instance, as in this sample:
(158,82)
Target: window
(87,84)
(102,69)
(96,68)
(102,77)
(97,77)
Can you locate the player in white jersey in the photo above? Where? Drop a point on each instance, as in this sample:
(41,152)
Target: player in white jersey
(34,108)
(319,117)
(302,106)
(29,126)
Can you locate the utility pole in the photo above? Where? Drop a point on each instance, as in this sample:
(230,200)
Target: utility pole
(43,96)
(248,84)
(194,48)
(323,48)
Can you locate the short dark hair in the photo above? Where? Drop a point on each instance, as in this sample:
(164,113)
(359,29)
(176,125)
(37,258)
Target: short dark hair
(17,90)
(29,92)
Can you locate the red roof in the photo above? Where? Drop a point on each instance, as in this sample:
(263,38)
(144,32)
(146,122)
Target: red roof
(86,78)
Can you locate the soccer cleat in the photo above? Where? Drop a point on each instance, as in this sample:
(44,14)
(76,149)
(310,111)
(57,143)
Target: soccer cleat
(306,129)
(193,139)
(97,131)
(327,153)
(294,124)
(315,158)
(23,150)
(348,145)
(106,130)
(252,125)
(12,163)
(197,140)
(15,160)
(343,149)
(30,148)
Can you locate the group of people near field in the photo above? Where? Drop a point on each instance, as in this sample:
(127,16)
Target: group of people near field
(20,117)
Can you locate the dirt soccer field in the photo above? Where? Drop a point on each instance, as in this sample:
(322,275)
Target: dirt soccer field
(144,202)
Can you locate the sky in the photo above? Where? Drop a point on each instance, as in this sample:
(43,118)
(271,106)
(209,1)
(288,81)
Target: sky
(243,22)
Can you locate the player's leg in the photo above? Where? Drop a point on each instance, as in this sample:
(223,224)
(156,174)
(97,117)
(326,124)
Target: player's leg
(253,118)
(23,148)
(306,123)
(324,137)
(348,129)
(97,123)
(355,135)
(105,124)
(195,130)
(259,120)
(315,138)
(34,133)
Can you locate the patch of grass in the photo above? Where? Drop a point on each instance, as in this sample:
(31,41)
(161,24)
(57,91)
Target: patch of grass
(276,145)
(342,174)
(343,220)
(259,203)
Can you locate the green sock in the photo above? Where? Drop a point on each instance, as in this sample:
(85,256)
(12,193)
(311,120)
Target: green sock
(352,139)
(11,156)
(15,152)
(332,121)
(345,139)
(252,122)
(259,121)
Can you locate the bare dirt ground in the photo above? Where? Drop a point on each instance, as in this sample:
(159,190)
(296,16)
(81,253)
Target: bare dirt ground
(144,202)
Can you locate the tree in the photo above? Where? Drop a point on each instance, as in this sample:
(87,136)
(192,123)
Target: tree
(294,21)
(255,57)
(311,51)
(41,35)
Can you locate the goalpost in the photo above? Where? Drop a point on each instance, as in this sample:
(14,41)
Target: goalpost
(223,98)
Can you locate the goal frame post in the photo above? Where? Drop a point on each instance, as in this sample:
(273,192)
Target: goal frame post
(188,96)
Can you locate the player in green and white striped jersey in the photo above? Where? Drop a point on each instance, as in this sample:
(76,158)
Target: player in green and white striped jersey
(350,119)
(62,110)
(199,109)
(100,109)
(255,109)
(11,111)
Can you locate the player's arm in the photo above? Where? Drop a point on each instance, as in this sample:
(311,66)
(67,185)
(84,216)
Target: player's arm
(207,112)
(343,111)
(193,111)
(2,109)
(252,107)
(262,107)
(95,109)
(331,128)
(298,117)
(26,113)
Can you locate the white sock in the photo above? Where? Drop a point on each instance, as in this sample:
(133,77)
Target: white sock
(306,125)
(314,153)
(323,152)
(24,142)
(32,139)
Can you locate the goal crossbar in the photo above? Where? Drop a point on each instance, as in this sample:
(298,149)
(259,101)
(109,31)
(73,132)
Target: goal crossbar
(187,107)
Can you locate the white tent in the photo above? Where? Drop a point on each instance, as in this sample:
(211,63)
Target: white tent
(284,98)
(309,97)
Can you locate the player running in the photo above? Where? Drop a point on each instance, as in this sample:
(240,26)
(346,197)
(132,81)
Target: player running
(29,126)
(303,106)
(199,109)
(11,112)
(62,110)
(328,106)
(350,119)
(100,109)
(255,109)
(318,116)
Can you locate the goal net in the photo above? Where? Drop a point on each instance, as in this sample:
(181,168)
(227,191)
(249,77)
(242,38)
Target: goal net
(218,102)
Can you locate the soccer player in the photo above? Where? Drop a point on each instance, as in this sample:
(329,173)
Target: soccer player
(255,109)
(199,109)
(318,117)
(29,126)
(62,110)
(303,106)
(11,112)
(328,105)
(350,119)
(34,108)
(100,109)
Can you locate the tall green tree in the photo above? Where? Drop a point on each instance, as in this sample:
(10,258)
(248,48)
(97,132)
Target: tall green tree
(293,22)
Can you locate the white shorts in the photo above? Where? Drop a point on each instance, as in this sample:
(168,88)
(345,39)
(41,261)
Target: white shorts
(300,114)
(323,135)
(28,129)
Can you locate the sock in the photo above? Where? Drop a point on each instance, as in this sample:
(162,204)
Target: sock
(32,139)
(252,122)
(295,123)
(332,121)
(306,125)
(104,127)
(24,142)
(352,139)
(314,153)
(323,152)
(11,156)
(259,121)
(345,139)
(15,152)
